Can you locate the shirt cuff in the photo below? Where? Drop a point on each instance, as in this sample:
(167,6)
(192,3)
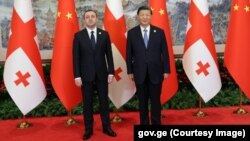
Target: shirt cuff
(78,78)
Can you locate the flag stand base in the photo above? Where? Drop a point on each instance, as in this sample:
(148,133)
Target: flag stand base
(70,121)
(117,118)
(24,124)
(200,114)
(241,111)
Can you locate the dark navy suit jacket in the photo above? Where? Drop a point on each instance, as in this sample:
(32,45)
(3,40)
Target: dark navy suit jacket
(153,60)
(88,61)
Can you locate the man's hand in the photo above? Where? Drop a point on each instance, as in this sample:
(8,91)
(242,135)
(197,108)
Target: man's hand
(131,76)
(110,78)
(165,75)
(78,82)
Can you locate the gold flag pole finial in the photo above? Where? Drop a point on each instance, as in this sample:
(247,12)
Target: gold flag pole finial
(200,113)
(117,118)
(24,124)
(70,120)
(241,110)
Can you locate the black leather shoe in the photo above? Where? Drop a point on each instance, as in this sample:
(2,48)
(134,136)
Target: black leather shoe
(87,135)
(109,132)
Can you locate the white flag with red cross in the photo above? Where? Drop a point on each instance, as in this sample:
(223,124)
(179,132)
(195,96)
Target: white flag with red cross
(23,73)
(122,88)
(199,59)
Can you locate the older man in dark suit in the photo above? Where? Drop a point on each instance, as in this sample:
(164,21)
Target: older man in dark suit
(93,66)
(147,64)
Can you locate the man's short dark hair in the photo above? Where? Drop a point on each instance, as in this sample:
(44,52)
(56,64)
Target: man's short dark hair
(144,8)
(89,10)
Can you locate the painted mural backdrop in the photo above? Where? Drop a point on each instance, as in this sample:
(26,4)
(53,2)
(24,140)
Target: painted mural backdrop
(45,16)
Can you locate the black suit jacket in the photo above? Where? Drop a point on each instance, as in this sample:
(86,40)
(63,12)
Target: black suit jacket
(88,61)
(154,58)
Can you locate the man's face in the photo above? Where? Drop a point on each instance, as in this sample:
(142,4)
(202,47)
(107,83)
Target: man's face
(90,19)
(144,17)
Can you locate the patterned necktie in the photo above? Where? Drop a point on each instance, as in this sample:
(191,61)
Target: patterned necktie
(145,37)
(92,38)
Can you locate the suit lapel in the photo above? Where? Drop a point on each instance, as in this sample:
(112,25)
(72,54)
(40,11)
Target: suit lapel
(99,36)
(87,39)
(151,35)
(139,35)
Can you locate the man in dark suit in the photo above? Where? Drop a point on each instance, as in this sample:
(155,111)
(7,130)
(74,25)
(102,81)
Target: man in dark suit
(147,64)
(93,67)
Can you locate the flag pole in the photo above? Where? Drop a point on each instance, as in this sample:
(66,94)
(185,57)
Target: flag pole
(117,118)
(24,123)
(200,113)
(70,120)
(163,116)
(241,110)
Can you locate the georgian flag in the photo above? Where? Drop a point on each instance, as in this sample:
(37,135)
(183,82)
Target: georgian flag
(23,74)
(122,88)
(199,59)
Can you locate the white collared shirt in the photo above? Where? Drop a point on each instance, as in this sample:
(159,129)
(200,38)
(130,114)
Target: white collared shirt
(142,30)
(95,32)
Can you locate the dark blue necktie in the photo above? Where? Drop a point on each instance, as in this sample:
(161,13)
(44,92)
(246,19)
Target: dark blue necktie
(145,37)
(92,38)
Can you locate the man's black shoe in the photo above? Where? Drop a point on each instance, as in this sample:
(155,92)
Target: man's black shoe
(87,135)
(109,132)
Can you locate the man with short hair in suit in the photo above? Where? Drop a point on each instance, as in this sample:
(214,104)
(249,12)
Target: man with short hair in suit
(93,67)
(147,64)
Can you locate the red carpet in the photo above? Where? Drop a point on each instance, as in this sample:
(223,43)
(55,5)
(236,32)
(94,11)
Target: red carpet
(53,128)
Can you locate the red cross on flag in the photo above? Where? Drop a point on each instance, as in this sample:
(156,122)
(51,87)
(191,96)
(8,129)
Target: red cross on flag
(237,51)
(199,58)
(122,88)
(23,73)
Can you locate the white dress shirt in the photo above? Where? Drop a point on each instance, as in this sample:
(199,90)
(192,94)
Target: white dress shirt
(148,31)
(89,32)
